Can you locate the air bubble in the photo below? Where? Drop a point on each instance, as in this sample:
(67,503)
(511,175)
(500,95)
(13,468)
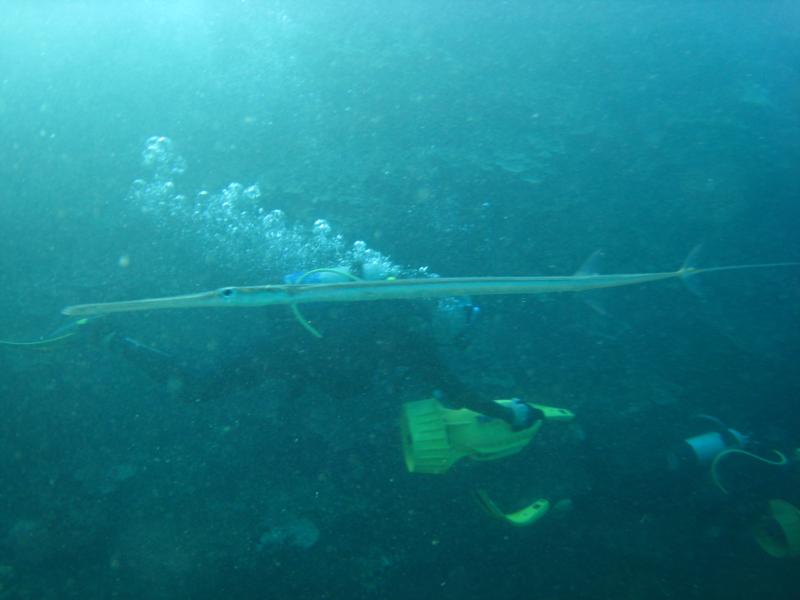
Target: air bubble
(159,156)
(252,192)
(321,227)
(274,219)
(234,228)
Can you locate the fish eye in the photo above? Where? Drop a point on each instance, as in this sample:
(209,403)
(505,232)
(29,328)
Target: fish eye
(227,292)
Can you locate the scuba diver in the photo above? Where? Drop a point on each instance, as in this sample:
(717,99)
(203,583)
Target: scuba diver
(407,346)
(749,477)
(734,478)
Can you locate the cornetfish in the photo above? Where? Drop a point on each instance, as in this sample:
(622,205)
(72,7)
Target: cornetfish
(584,279)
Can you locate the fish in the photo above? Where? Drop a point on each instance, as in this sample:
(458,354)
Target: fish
(293,294)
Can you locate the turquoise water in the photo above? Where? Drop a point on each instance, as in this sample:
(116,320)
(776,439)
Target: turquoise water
(158,148)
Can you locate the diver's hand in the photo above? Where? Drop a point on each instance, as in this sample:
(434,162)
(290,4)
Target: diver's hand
(522,415)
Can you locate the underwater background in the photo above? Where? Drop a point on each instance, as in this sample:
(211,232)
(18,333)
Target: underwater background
(158,148)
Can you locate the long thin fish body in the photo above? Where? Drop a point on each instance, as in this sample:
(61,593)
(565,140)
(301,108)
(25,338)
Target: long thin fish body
(363,291)
(400,289)
(409,289)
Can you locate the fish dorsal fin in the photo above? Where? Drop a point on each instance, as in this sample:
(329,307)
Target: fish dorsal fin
(687,271)
(590,266)
(690,264)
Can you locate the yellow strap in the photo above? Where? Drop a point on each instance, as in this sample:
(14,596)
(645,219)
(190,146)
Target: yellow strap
(523,517)
(71,328)
(296,311)
(551,413)
(38,343)
(782,460)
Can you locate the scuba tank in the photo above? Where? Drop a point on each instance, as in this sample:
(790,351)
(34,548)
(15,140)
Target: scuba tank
(701,449)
